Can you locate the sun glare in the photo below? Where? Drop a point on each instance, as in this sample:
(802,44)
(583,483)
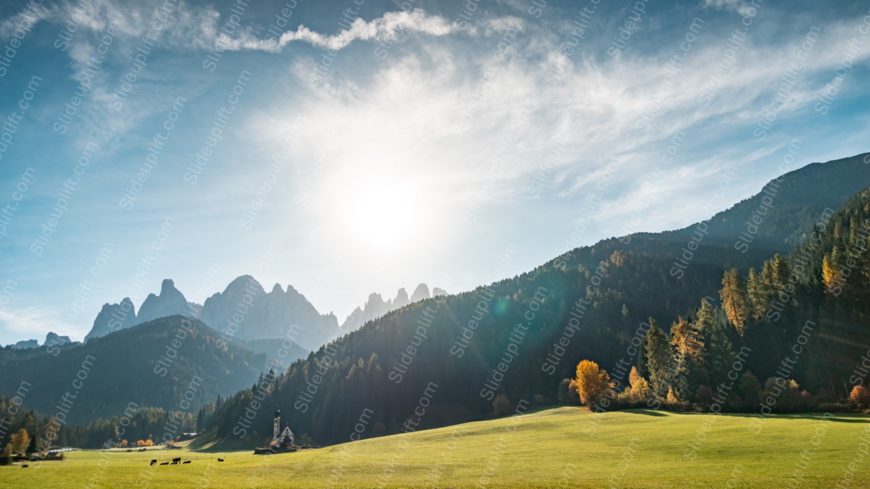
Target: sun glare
(381,211)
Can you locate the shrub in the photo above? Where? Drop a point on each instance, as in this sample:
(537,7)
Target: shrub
(501,406)
(860,397)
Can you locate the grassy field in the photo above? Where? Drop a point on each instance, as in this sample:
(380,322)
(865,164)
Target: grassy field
(566,447)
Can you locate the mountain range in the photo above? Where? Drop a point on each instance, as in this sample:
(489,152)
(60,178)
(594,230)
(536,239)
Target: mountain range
(245,311)
(52,340)
(375,306)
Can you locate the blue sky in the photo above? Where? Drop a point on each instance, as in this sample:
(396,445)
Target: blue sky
(346,147)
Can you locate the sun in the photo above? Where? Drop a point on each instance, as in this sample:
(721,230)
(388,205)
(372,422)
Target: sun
(381,211)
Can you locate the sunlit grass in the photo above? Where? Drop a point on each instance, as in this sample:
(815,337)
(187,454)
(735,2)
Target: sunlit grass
(566,447)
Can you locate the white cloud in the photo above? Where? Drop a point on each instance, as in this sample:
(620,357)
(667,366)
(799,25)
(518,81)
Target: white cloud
(742,7)
(199,27)
(468,138)
(382,29)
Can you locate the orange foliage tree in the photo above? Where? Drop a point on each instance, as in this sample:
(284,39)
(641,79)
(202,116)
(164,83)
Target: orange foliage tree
(593,382)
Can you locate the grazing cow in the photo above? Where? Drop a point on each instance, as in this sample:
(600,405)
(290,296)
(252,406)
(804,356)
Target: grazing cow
(164,463)
(153,461)
(24,466)
(186,462)
(220,460)
(176,460)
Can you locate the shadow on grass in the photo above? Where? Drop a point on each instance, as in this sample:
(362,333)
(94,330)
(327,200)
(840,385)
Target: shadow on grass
(836,418)
(833,417)
(646,412)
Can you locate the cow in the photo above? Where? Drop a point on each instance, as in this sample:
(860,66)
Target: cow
(220,460)
(153,461)
(176,460)
(164,463)
(186,462)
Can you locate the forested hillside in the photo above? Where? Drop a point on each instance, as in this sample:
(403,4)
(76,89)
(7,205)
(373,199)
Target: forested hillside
(173,363)
(793,335)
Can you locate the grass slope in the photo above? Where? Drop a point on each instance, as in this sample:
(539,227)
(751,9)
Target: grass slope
(552,448)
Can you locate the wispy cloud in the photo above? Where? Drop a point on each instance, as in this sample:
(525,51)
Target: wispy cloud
(385,28)
(510,124)
(197,27)
(24,20)
(742,7)
(30,322)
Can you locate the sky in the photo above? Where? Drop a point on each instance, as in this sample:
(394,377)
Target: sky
(358,146)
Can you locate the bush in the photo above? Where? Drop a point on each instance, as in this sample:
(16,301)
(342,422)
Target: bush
(860,397)
(501,406)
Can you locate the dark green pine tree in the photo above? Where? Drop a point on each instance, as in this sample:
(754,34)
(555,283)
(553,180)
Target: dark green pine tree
(757,295)
(659,359)
(680,378)
(720,351)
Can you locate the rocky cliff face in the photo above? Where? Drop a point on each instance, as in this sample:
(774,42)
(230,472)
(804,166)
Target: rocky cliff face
(420,293)
(25,345)
(170,302)
(113,317)
(244,310)
(52,339)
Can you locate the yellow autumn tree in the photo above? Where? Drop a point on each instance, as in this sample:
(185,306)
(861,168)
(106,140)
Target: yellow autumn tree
(593,382)
(734,300)
(672,398)
(639,386)
(830,274)
(18,443)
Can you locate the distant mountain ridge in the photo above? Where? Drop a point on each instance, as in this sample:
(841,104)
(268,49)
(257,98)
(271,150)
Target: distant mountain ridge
(51,340)
(243,310)
(375,306)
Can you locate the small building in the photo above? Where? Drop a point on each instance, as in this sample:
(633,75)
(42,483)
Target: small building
(282,440)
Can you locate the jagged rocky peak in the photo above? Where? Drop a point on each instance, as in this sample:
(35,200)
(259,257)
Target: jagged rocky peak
(245,311)
(53,339)
(246,284)
(420,293)
(170,302)
(113,317)
(374,301)
(26,345)
(401,299)
(375,306)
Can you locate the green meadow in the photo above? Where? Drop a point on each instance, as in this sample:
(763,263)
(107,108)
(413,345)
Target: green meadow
(564,447)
